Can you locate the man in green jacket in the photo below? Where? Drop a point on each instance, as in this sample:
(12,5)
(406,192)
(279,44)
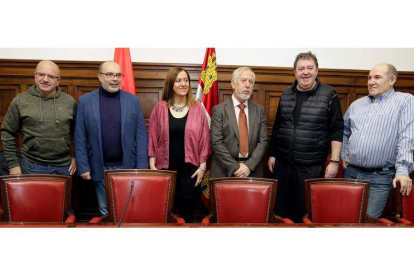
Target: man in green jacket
(45,115)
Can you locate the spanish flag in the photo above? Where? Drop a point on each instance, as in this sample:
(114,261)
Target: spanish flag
(123,58)
(207,94)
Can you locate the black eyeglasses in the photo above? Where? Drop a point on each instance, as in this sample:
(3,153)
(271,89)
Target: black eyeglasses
(42,75)
(112,75)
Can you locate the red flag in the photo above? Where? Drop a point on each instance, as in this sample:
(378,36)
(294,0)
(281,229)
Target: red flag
(207,94)
(207,91)
(123,58)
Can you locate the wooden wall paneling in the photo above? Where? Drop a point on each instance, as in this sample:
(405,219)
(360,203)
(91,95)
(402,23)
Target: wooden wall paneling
(65,88)
(260,95)
(72,92)
(141,83)
(360,92)
(148,98)
(272,103)
(81,90)
(255,96)
(224,94)
(80,77)
(405,83)
(8,93)
(336,81)
(24,87)
(344,94)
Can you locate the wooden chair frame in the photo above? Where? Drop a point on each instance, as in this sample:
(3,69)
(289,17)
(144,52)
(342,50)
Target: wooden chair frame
(237,180)
(66,217)
(400,205)
(111,217)
(363,217)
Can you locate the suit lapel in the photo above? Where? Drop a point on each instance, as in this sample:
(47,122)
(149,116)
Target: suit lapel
(124,105)
(252,118)
(96,111)
(97,114)
(231,113)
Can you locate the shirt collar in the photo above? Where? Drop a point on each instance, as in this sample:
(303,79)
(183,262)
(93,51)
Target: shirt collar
(236,102)
(383,97)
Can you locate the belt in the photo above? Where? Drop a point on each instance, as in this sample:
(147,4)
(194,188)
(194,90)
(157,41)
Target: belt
(373,169)
(242,160)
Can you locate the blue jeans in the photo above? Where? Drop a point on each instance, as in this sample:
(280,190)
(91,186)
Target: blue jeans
(380,188)
(33,168)
(101,191)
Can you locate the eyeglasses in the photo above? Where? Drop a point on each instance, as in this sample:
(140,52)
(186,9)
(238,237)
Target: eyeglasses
(112,75)
(42,75)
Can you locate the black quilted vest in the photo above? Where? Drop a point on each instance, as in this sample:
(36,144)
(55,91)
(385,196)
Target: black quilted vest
(305,142)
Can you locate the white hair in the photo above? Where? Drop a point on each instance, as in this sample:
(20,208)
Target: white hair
(241,69)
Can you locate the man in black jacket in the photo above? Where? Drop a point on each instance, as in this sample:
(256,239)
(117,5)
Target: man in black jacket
(308,120)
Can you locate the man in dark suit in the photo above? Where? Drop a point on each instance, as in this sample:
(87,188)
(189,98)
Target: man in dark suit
(238,131)
(110,131)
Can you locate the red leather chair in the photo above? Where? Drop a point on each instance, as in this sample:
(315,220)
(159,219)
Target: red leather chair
(405,206)
(243,200)
(336,200)
(36,198)
(151,201)
(1,210)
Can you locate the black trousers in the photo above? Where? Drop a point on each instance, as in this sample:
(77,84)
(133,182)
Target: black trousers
(184,207)
(290,197)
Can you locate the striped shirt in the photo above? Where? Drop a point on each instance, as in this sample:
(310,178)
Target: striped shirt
(379,132)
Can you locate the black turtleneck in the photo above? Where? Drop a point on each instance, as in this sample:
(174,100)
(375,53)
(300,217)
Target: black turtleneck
(301,96)
(110,112)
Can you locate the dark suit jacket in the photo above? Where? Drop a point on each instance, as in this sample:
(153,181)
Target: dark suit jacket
(225,139)
(88,138)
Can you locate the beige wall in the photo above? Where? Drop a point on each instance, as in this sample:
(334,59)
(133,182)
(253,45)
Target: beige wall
(335,58)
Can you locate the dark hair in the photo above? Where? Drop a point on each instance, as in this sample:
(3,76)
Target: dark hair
(307,55)
(168,90)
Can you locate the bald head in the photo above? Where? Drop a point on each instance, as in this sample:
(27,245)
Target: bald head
(110,76)
(107,64)
(47,77)
(48,64)
(390,70)
(381,79)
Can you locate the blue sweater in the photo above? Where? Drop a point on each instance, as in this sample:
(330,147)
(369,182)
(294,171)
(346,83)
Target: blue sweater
(110,110)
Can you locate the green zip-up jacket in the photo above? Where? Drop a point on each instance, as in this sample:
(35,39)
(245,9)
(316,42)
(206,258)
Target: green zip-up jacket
(46,124)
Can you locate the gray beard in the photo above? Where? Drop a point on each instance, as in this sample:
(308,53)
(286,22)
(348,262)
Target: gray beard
(242,96)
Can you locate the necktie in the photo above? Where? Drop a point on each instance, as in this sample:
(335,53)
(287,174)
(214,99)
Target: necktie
(243,132)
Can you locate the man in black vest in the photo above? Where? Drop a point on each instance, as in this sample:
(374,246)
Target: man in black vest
(308,120)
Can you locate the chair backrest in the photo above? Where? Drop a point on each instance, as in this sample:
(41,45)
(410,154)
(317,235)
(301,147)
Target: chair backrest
(405,204)
(1,210)
(243,200)
(152,198)
(337,200)
(35,198)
